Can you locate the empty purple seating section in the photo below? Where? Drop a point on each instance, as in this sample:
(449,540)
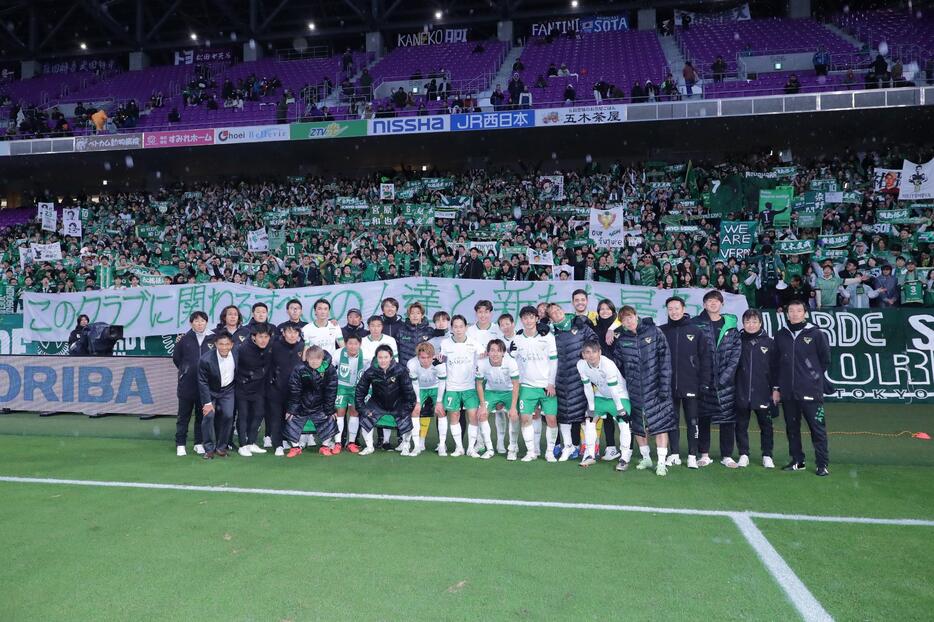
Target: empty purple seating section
(702,43)
(49,87)
(774,84)
(895,27)
(468,70)
(18,216)
(620,58)
(139,85)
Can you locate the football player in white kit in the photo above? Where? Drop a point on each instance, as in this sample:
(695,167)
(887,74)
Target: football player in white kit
(424,370)
(498,389)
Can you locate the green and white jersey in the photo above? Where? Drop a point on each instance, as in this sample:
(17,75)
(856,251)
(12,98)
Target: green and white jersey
(349,368)
(460,363)
(423,377)
(483,336)
(328,337)
(604,380)
(498,378)
(368,345)
(537,357)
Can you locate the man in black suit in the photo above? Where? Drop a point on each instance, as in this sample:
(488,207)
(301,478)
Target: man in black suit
(253,358)
(188,351)
(216,371)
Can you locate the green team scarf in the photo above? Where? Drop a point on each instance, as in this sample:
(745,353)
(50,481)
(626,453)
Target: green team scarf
(344,378)
(565,324)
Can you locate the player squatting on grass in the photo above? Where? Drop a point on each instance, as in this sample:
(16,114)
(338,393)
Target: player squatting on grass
(636,379)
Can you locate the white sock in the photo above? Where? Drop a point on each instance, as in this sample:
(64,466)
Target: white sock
(499,420)
(471,436)
(646,452)
(566,434)
(386,434)
(407,437)
(537,428)
(442,431)
(353,426)
(456,433)
(368,438)
(340,429)
(590,438)
(487,432)
(625,441)
(416,428)
(514,435)
(662,453)
(551,437)
(528,435)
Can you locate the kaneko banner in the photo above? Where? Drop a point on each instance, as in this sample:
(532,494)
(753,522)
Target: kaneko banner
(178,138)
(432,37)
(580,115)
(409,125)
(164,309)
(250,134)
(503,120)
(88,385)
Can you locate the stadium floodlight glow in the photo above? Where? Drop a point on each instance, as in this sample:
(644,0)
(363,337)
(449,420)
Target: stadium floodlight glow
(105,182)
(83,45)
(194,36)
(573,4)
(311,25)
(438,14)
(424,167)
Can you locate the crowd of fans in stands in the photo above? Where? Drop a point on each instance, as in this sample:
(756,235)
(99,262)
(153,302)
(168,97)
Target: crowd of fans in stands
(198,233)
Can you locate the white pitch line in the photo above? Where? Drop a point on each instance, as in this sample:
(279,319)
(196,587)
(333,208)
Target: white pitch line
(466,500)
(802,599)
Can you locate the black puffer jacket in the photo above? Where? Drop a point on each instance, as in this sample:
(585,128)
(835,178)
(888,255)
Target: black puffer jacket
(313,391)
(717,402)
(645,362)
(252,373)
(285,357)
(186,355)
(391,389)
(801,360)
(409,336)
(754,374)
(572,403)
(690,357)
(391,326)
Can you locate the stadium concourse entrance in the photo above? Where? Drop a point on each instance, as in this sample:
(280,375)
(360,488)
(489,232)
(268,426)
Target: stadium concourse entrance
(810,134)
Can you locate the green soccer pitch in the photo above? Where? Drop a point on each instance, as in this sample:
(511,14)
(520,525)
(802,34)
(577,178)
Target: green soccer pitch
(101,521)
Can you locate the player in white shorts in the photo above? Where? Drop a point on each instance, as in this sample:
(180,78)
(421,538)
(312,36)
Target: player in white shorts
(424,370)
(607,396)
(498,389)
(537,357)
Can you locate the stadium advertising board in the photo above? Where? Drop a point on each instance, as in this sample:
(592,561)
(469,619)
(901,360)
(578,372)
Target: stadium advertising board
(164,309)
(109,142)
(502,120)
(88,385)
(204,55)
(250,134)
(178,138)
(409,125)
(580,115)
(586,25)
(327,129)
(438,36)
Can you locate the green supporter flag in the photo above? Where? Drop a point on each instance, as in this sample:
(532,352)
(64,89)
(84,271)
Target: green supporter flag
(737,238)
(728,198)
(105,276)
(839,240)
(418,214)
(149,232)
(794,247)
(775,206)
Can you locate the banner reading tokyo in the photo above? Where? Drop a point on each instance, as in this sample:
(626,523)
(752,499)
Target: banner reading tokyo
(161,310)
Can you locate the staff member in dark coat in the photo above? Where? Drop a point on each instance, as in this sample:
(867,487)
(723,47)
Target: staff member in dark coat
(392,394)
(717,398)
(571,333)
(75,334)
(216,371)
(605,327)
(259,317)
(229,322)
(312,396)
(755,377)
(414,330)
(294,309)
(690,372)
(802,356)
(188,351)
(641,353)
(392,323)
(354,325)
(285,356)
(253,359)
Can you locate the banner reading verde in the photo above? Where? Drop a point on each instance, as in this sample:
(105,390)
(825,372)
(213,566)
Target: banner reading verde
(165,309)
(875,355)
(327,129)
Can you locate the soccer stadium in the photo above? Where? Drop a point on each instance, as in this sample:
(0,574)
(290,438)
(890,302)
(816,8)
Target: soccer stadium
(466,310)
